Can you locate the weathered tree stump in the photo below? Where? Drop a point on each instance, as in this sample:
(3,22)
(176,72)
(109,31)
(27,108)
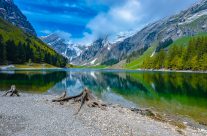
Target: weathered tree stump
(13,91)
(84,97)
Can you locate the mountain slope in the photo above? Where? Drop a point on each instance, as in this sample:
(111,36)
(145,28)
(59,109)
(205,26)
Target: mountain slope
(10,12)
(191,54)
(151,52)
(17,47)
(187,23)
(91,55)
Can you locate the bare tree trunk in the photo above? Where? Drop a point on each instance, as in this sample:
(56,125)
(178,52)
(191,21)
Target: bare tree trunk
(83,97)
(13,91)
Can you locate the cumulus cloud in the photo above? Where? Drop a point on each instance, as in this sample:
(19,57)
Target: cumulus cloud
(116,19)
(46,32)
(60,33)
(63,34)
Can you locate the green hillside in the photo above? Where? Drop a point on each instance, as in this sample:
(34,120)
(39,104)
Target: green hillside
(159,60)
(136,63)
(17,47)
(192,56)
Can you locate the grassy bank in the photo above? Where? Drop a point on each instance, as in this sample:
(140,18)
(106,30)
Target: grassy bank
(34,66)
(26,66)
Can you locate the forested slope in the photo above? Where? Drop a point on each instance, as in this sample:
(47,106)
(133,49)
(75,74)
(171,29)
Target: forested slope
(192,56)
(17,47)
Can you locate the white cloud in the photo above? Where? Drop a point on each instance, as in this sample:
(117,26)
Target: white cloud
(63,34)
(46,32)
(119,18)
(60,33)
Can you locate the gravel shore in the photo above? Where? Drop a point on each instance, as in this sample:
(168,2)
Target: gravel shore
(36,115)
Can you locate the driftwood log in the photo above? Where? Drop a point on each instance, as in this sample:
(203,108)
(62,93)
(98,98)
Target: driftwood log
(85,97)
(13,91)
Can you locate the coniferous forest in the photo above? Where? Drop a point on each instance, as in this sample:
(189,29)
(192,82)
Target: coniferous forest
(16,47)
(178,57)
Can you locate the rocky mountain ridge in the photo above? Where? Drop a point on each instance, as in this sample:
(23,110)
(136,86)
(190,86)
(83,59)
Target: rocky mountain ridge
(62,45)
(11,13)
(89,56)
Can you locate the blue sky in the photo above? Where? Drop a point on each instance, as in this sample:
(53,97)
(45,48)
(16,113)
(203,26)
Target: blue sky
(86,20)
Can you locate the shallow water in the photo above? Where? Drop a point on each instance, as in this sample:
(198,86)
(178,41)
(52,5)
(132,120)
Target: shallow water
(183,94)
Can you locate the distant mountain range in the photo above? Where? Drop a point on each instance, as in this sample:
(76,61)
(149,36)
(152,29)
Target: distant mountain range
(11,13)
(63,46)
(82,54)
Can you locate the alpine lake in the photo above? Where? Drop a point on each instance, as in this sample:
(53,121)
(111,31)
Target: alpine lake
(179,95)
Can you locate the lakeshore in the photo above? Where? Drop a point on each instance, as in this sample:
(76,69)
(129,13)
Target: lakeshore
(39,67)
(33,114)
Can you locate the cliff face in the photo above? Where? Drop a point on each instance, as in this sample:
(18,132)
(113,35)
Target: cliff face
(11,13)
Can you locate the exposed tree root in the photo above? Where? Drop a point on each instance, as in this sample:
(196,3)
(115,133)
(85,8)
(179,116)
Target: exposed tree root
(13,91)
(84,97)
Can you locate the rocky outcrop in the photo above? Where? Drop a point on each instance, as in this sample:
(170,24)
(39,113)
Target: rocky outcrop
(11,13)
(94,53)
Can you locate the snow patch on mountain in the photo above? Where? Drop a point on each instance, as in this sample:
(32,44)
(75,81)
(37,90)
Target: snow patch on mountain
(93,61)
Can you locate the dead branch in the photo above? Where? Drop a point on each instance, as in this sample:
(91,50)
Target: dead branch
(63,95)
(67,98)
(13,91)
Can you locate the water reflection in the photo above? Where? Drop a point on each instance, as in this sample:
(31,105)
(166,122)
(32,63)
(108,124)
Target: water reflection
(174,93)
(30,81)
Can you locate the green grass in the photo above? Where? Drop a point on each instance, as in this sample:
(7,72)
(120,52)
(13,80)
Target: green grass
(94,67)
(98,66)
(185,40)
(34,66)
(136,63)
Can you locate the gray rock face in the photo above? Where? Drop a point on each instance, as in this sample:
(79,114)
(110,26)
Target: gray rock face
(93,54)
(62,46)
(10,12)
(187,23)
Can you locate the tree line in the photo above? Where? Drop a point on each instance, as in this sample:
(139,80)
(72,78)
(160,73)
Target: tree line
(20,53)
(177,57)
